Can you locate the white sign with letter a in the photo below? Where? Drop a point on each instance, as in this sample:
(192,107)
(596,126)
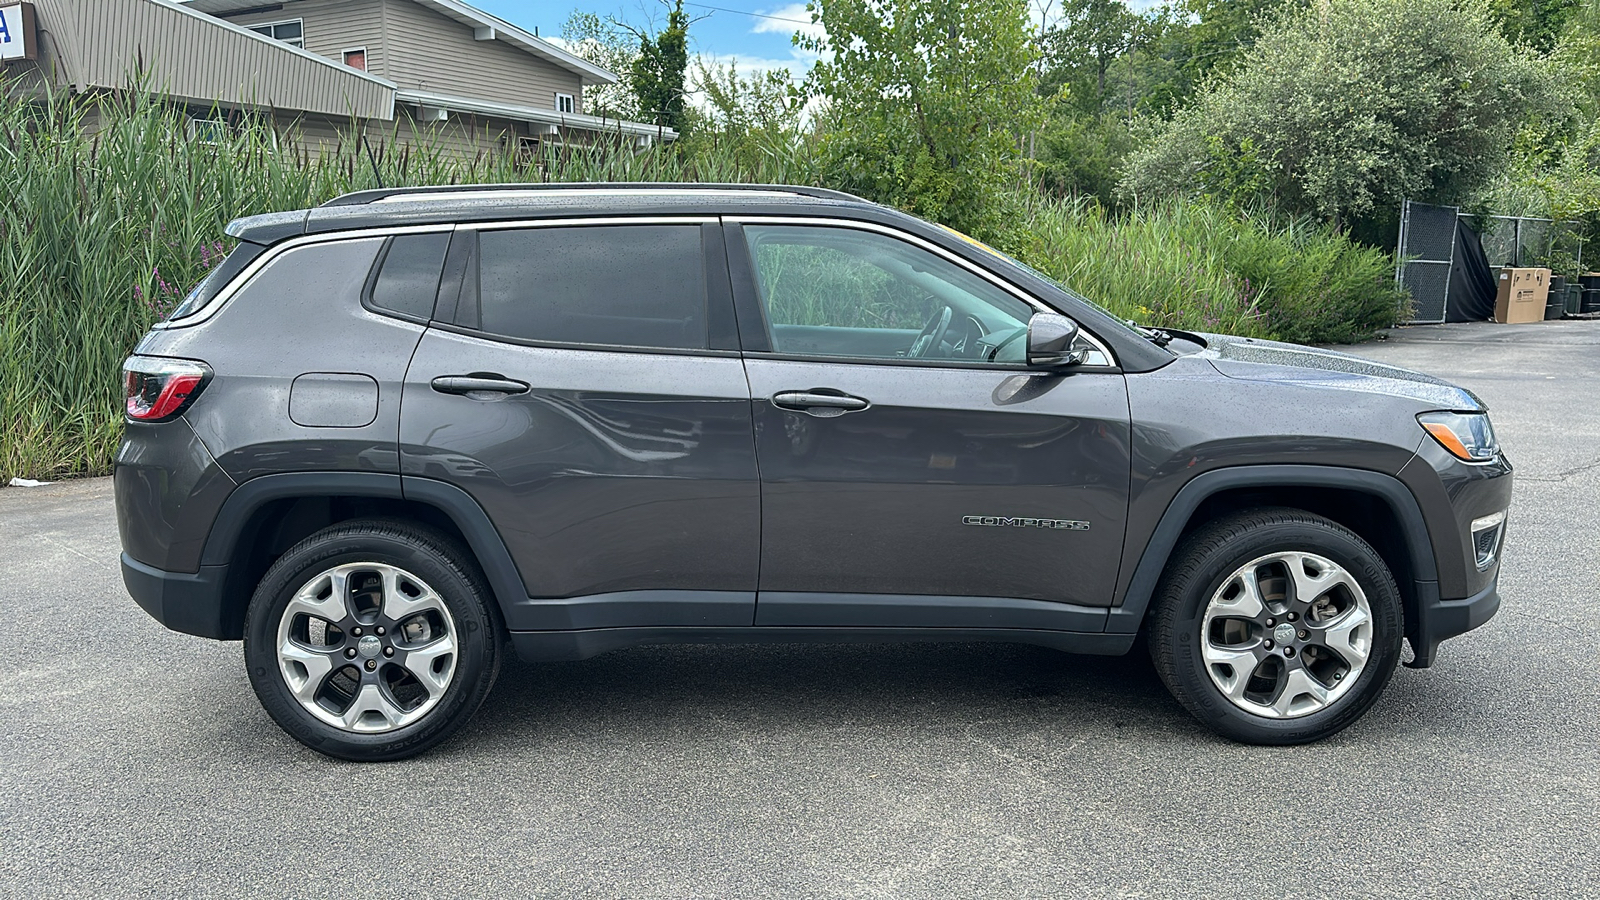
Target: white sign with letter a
(16,32)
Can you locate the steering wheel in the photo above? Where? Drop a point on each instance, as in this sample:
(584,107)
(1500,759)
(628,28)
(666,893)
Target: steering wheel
(931,334)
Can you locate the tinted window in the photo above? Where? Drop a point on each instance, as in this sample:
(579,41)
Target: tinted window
(217,279)
(623,285)
(845,292)
(409,279)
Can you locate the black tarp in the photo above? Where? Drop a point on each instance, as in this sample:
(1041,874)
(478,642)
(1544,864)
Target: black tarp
(1472,281)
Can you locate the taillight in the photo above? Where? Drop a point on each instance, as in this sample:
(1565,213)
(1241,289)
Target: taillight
(160,389)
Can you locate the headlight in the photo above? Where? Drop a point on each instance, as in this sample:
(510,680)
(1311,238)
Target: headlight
(1468,436)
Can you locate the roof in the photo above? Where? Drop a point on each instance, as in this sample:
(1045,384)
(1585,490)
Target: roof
(486,203)
(106,44)
(533,114)
(487,26)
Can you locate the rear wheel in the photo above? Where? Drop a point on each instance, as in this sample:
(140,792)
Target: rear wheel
(371,640)
(1276,626)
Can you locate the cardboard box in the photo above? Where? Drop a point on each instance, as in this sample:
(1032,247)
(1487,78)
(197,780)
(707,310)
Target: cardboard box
(1521,296)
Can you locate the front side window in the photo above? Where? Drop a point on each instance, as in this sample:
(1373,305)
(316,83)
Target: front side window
(616,285)
(830,291)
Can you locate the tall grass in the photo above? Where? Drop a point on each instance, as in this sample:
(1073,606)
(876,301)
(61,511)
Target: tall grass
(1202,268)
(110,213)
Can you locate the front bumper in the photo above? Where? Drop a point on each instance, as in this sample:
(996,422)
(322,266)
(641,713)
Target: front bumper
(190,603)
(1438,620)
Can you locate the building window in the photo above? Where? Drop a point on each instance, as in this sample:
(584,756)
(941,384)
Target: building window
(356,59)
(565,103)
(291,32)
(208,131)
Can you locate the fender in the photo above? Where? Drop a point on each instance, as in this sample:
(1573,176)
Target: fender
(1126,617)
(482,538)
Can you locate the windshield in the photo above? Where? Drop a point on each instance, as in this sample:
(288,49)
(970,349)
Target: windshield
(1011,261)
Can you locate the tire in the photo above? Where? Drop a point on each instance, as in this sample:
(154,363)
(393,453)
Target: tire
(1299,668)
(372,640)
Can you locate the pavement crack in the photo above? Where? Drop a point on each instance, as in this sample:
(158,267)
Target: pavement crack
(1563,476)
(71,549)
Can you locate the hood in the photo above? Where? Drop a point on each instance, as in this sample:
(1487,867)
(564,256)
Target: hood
(1253,359)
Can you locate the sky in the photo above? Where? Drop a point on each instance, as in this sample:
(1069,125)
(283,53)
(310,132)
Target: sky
(755,34)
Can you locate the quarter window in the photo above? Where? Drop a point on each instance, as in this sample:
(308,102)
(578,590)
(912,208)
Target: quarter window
(847,292)
(623,285)
(408,277)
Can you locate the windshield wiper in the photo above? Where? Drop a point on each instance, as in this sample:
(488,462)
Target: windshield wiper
(1156,336)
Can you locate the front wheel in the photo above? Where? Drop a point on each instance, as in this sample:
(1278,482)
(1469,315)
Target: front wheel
(371,640)
(1276,626)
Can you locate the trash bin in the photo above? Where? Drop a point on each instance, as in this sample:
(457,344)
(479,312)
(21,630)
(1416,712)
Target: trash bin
(1574,298)
(1555,306)
(1591,300)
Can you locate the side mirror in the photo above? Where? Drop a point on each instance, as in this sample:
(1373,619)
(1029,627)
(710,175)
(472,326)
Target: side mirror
(1052,341)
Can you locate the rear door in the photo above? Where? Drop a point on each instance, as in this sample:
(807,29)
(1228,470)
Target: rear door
(914,470)
(584,387)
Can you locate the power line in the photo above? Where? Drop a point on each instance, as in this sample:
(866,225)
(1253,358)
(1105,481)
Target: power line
(740,12)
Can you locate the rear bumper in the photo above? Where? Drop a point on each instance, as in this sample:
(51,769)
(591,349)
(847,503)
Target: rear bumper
(1438,620)
(182,601)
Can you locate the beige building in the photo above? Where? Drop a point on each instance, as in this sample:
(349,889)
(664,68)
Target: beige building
(321,68)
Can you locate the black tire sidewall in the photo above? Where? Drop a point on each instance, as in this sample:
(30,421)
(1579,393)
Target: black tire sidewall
(413,551)
(1185,670)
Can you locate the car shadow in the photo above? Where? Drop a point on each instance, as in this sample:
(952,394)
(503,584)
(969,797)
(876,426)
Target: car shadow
(648,691)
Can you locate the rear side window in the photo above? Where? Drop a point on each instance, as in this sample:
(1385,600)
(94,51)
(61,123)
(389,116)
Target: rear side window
(217,279)
(408,275)
(618,285)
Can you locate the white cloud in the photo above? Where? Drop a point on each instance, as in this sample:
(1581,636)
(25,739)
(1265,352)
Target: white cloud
(786,20)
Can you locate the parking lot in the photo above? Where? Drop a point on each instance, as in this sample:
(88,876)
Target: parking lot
(137,761)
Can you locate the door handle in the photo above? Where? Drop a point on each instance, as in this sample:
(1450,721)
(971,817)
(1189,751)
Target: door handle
(478,382)
(818,403)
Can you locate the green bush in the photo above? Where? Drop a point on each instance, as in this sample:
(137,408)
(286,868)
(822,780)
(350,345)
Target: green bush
(1312,284)
(1201,268)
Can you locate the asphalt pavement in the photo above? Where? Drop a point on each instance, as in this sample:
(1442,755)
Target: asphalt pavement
(135,761)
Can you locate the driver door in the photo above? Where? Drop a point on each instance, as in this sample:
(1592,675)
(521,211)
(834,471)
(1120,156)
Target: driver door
(905,450)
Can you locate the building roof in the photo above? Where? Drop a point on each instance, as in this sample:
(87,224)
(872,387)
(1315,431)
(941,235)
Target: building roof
(533,114)
(484,26)
(174,48)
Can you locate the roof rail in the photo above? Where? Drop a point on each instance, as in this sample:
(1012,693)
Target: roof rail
(361,198)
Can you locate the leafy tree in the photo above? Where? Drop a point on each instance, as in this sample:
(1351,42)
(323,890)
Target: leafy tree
(611,47)
(657,74)
(926,103)
(1080,49)
(1533,23)
(753,120)
(1346,108)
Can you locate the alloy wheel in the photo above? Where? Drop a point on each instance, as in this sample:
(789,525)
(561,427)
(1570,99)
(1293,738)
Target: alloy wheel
(367,647)
(1286,635)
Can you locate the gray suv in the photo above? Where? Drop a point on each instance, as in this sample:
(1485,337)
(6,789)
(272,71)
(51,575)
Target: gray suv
(392,436)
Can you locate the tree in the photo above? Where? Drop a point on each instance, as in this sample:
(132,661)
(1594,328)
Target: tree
(658,72)
(1079,50)
(1351,106)
(611,47)
(926,103)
